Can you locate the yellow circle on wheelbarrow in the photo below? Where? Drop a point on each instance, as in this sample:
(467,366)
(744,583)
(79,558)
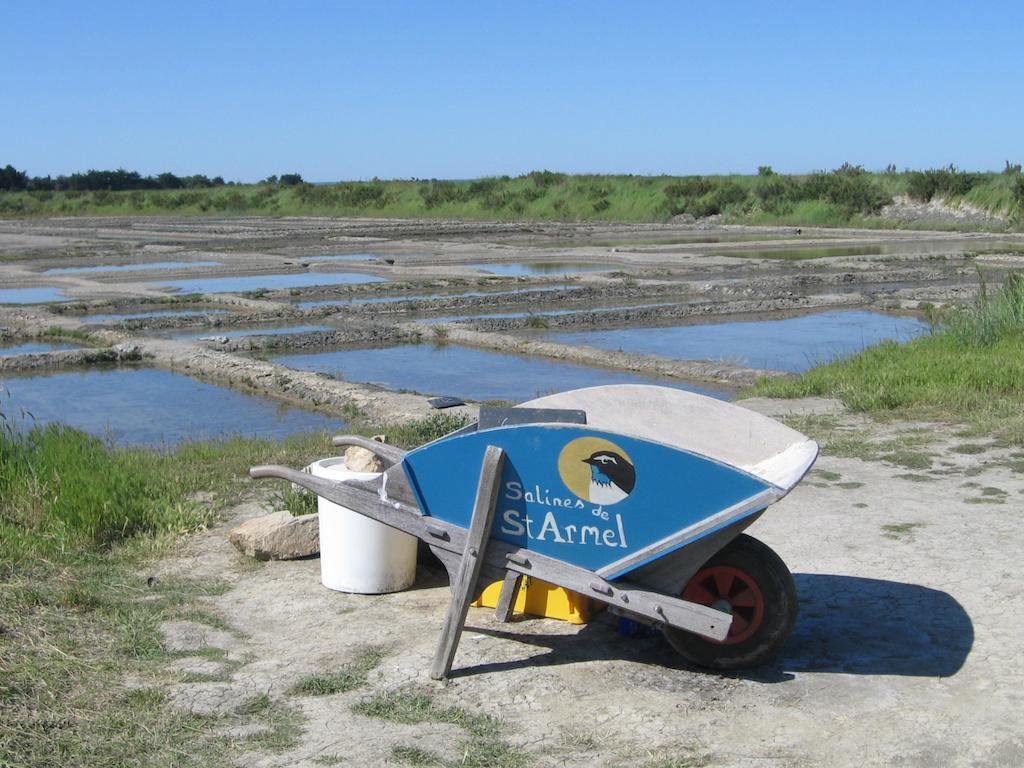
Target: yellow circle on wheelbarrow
(596,470)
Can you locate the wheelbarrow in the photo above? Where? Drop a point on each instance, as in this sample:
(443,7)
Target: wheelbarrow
(635,496)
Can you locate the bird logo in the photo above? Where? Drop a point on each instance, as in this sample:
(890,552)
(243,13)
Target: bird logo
(597,470)
(611,477)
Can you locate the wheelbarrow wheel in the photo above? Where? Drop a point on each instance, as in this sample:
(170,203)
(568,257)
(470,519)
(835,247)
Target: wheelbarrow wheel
(747,579)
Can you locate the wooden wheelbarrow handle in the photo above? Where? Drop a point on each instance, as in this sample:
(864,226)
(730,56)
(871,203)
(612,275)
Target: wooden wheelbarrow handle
(390,453)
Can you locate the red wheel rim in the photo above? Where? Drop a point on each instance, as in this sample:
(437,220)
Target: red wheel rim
(733,591)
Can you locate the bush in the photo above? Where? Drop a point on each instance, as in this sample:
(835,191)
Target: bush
(777,192)
(848,188)
(545,179)
(436,193)
(924,185)
(1018,193)
(689,186)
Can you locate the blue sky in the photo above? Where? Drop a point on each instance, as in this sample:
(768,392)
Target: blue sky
(344,90)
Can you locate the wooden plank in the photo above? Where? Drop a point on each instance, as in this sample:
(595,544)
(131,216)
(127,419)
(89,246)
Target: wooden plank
(507,598)
(390,453)
(472,558)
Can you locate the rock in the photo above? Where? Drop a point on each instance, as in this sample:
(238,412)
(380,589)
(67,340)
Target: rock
(361,460)
(278,536)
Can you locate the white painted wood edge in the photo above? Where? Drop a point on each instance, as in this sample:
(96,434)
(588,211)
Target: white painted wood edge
(785,469)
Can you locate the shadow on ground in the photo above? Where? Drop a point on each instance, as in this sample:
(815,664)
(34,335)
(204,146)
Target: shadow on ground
(846,624)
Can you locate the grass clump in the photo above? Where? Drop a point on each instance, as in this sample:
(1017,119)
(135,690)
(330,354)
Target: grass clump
(63,488)
(415,756)
(897,531)
(59,332)
(413,434)
(351,677)
(483,748)
(971,367)
(292,498)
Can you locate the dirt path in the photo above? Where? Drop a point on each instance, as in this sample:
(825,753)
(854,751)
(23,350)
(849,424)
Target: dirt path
(906,651)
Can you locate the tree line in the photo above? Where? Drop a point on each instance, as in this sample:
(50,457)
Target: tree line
(11,179)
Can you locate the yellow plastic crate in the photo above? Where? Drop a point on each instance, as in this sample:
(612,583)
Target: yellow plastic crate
(538,598)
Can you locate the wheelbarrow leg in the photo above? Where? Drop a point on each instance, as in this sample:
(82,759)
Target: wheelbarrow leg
(507,597)
(464,584)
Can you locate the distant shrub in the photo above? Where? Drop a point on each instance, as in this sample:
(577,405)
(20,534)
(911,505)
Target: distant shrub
(483,187)
(701,196)
(765,170)
(848,169)
(435,193)
(777,192)
(369,195)
(924,185)
(847,187)
(689,186)
(544,179)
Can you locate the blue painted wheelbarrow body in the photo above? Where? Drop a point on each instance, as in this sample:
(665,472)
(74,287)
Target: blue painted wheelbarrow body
(558,497)
(635,496)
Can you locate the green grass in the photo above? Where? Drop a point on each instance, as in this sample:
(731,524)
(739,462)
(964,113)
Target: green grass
(293,499)
(80,522)
(970,369)
(351,677)
(413,434)
(483,748)
(415,756)
(842,197)
(59,332)
(897,531)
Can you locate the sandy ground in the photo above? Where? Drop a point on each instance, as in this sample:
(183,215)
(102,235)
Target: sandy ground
(906,650)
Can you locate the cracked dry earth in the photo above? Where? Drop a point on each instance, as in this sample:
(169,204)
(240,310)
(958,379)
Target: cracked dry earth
(906,651)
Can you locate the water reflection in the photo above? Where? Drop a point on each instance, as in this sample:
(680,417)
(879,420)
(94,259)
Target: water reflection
(467,373)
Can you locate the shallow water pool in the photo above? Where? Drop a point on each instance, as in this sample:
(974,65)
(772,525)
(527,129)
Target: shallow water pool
(34,347)
(31,295)
(468,373)
(148,406)
(794,344)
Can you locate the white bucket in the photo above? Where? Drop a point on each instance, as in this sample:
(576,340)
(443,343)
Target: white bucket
(358,554)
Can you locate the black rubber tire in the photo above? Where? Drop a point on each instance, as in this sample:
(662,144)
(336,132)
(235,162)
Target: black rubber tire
(766,569)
